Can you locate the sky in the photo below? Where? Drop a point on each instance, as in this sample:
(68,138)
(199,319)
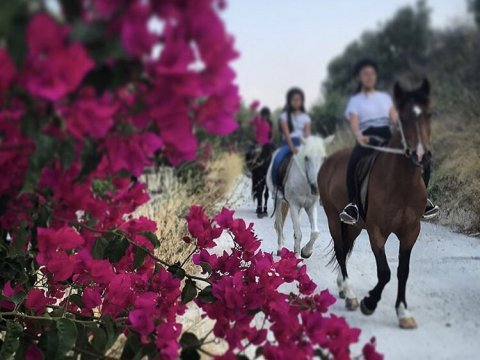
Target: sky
(286,43)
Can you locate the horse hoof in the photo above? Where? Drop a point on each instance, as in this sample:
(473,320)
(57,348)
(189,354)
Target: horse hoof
(351,304)
(259,215)
(408,323)
(305,255)
(341,294)
(365,309)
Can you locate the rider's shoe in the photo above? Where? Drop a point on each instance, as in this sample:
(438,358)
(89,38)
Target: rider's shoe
(349,215)
(431,210)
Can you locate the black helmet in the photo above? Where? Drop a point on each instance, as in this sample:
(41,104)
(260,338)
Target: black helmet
(364,63)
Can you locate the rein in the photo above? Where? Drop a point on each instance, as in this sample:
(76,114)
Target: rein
(405,151)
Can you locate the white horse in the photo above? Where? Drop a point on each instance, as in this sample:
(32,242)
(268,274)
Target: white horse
(300,192)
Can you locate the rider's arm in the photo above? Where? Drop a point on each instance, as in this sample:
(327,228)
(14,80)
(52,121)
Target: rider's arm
(286,134)
(355,126)
(307,131)
(393,115)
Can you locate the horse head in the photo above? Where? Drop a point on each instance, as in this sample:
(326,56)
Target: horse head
(412,99)
(311,155)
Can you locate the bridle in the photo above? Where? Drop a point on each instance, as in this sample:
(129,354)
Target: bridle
(313,184)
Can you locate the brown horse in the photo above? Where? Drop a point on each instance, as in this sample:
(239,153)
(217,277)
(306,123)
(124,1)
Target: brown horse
(396,200)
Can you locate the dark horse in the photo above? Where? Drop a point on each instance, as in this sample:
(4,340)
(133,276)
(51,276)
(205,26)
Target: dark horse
(258,159)
(396,200)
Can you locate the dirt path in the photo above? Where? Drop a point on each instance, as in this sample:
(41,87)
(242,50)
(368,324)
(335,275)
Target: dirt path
(443,291)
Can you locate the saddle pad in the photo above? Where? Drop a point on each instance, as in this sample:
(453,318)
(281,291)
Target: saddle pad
(362,175)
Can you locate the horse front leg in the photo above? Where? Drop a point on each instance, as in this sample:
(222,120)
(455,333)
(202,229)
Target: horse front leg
(405,318)
(266,194)
(307,250)
(369,303)
(297,231)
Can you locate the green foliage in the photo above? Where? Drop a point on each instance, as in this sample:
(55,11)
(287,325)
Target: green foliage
(328,115)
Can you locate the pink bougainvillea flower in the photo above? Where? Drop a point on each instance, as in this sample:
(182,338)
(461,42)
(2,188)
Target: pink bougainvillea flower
(8,291)
(92,297)
(89,115)
(201,227)
(60,265)
(135,35)
(53,68)
(167,341)
(370,352)
(8,73)
(225,218)
(131,153)
(37,301)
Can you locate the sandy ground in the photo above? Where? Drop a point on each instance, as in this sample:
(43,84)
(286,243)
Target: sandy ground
(443,291)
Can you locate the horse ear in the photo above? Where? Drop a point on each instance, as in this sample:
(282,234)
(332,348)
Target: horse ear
(425,88)
(397,91)
(329,139)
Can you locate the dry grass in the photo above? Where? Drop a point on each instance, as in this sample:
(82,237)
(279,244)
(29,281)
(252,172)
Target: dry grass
(456,179)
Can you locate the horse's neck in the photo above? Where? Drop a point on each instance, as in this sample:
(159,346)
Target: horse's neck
(398,169)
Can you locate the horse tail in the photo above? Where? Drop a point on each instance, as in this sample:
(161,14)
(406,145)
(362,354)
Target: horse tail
(343,249)
(347,241)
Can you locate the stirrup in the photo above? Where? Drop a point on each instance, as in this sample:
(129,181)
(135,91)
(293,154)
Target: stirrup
(350,219)
(431,210)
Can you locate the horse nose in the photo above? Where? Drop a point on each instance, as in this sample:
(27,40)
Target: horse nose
(420,151)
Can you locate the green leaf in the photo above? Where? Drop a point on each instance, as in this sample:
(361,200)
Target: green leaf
(45,149)
(152,238)
(76,299)
(52,344)
(66,153)
(116,249)
(111,331)
(189,291)
(140,254)
(189,340)
(11,341)
(99,247)
(206,295)
(90,158)
(259,352)
(189,354)
(206,267)
(67,336)
(99,341)
(21,238)
(242,357)
(177,271)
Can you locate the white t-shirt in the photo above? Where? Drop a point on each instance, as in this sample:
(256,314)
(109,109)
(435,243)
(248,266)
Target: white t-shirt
(298,122)
(372,109)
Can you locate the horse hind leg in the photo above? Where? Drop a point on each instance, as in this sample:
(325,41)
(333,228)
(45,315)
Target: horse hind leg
(280,216)
(370,302)
(343,239)
(266,196)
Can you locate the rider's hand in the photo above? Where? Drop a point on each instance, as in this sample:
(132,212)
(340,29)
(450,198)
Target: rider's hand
(363,140)
(295,150)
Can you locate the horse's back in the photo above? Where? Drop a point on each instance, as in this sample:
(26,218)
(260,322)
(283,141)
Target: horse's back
(332,179)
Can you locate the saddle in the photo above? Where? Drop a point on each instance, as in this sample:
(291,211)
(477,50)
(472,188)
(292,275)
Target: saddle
(282,172)
(362,176)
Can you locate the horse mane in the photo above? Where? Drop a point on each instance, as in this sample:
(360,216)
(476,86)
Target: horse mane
(313,146)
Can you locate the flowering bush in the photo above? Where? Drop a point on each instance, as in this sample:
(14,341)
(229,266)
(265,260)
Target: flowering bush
(88,99)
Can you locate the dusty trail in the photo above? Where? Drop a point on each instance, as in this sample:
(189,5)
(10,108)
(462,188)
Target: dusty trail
(443,291)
